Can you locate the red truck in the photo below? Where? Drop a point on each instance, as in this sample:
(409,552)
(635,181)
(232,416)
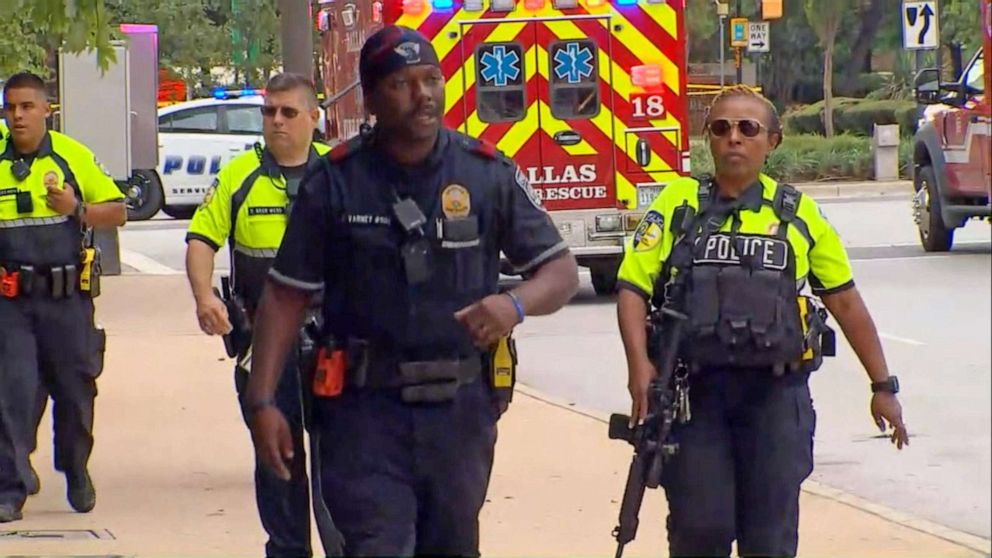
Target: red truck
(952,151)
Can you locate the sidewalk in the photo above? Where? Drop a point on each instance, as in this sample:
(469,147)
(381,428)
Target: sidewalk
(172,464)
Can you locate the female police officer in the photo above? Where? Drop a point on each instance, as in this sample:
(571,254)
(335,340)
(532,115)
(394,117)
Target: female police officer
(745,446)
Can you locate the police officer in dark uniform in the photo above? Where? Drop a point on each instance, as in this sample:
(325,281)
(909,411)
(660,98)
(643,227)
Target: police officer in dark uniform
(403,228)
(247,208)
(52,191)
(741,248)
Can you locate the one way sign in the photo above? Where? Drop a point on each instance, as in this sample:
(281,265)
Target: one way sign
(757,36)
(919,24)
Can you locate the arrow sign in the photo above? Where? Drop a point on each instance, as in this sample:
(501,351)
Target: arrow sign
(757,36)
(920,25)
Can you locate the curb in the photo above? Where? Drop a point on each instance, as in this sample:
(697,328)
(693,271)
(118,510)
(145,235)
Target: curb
(960,538)
(856,189)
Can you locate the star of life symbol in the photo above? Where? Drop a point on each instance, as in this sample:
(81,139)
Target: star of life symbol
(500,66)
(573,63)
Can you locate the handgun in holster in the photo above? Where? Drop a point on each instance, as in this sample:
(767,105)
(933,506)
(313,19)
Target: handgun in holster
(819,339)
(307,363)
(503,370)
(238,339)
(90,271)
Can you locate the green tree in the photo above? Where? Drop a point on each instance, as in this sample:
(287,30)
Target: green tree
(825,19)
(77,25)
(190,41)
(255,43)
(20,46)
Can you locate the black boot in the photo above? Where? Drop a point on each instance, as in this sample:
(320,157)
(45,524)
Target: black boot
(80,491)
(8,513)
(33,483)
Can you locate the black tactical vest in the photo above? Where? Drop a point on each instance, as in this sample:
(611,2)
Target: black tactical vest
(741,296)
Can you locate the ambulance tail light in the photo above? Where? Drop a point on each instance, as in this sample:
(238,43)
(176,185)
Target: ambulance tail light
(686,162)
(608,223)
(646,76)
(443,4)
(564,4)
(595,3)
(503,5)
(472,6)
(413,7)
(626,2)
(534,4)
(631,220)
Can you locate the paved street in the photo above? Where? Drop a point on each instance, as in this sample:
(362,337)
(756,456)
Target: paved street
(933,312)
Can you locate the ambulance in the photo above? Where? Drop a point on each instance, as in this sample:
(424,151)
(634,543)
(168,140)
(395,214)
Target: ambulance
(587,96)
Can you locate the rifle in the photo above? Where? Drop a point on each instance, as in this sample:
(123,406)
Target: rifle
(650,439)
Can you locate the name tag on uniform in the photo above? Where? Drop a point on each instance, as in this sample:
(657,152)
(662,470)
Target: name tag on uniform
(252,211)
(765,252)
(8,192)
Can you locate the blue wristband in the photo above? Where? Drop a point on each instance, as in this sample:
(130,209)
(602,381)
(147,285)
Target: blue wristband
(517,306)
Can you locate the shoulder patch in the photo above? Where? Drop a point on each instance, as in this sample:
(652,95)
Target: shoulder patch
(649,231)
(521,179)
(209,195)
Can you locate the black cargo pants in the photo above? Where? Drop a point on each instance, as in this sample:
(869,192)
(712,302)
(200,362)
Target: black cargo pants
(407,479)
(47,345)
(741,461)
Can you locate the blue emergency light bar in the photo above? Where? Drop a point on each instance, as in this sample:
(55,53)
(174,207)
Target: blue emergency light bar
(221,93)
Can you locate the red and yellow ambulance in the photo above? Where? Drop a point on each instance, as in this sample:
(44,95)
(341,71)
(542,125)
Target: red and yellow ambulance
(587,96)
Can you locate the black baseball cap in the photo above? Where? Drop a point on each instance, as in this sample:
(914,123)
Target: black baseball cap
(391,48)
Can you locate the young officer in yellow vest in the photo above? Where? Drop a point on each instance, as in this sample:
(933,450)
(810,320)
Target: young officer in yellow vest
(257,190)
(52,190)
(741,248)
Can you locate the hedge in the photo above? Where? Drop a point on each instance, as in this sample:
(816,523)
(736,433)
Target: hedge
(805,158)
(853,116)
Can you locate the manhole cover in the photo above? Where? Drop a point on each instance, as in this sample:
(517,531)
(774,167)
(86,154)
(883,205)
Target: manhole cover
(59,534)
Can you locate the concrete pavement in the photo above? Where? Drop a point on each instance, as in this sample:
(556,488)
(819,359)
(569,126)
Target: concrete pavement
(172,464)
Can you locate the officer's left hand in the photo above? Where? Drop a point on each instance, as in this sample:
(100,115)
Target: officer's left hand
(62,200)
(885,407)
(488,319)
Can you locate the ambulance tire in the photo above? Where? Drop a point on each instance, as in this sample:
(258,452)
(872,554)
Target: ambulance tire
(145,195)
(934,235)
(179,211)
(604,280)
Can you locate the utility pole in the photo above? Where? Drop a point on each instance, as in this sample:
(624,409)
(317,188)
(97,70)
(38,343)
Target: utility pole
(297,37)
(721,10)
(739,58)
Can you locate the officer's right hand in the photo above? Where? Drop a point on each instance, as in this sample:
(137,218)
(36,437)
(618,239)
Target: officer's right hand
(273,443)
(212,314)
(640,373)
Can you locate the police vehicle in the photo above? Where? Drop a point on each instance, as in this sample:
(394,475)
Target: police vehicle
(196,138)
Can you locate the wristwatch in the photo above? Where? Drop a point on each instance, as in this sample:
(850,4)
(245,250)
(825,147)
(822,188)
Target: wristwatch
(891,385)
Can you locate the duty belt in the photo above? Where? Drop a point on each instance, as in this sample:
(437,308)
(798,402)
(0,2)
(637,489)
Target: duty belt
(21,280)
(422,380)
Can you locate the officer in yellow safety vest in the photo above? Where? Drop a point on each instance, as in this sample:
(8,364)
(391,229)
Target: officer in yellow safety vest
(247,208)
(52,191)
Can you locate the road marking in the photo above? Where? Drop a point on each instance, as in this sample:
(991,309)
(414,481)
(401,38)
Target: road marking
(146,265)
(960,538)
(898,339)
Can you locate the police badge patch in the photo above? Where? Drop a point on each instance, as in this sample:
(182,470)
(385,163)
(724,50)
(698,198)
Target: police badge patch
(524,184)
(456,201)
(649,231)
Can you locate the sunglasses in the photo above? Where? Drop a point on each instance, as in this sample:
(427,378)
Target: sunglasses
(270,111)
(749,128)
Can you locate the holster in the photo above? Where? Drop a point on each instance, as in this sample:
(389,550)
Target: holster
(236,342)
(90,271)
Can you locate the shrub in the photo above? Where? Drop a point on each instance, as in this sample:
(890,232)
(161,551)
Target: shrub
(805,158)
(853,116)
